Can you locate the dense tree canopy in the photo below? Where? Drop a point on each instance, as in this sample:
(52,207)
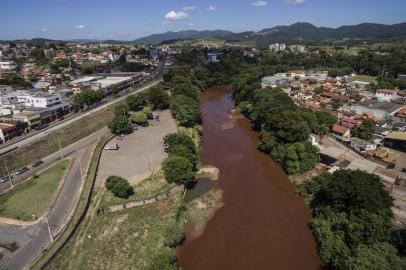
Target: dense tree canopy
(352,221)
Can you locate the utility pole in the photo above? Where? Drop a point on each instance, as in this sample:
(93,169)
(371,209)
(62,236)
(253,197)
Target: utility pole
(49,228)
(60,147)
(8,173)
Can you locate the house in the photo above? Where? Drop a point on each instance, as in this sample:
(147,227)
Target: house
(340,132)
(401,115)
(362,146)
(396,140)
(349,122)
(386,94)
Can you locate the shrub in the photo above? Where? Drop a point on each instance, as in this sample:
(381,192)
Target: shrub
(174,235)
(119,186)
(139,118)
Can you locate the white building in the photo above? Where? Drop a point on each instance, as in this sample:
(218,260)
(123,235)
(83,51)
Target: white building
(277,47)
(386,94)
(43,100)
(362,146)
(8,65)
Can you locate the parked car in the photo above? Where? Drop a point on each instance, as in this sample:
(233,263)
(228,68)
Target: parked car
(113,146)
(37,163)
(21,170)
(4,178)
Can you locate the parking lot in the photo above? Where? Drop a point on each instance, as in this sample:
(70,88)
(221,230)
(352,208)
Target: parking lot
(139,154)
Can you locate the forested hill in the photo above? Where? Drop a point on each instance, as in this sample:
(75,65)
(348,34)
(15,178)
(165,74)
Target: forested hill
(295,32)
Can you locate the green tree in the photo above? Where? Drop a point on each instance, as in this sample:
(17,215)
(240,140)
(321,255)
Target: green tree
(137,102)
(121,109)
(366,129)
(178,170)
(174,139)
(354,190)
(119,186)
(184,151)
(119,125)
(158,98)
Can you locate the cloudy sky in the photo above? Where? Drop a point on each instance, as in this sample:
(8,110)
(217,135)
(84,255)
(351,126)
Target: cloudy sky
(130,19)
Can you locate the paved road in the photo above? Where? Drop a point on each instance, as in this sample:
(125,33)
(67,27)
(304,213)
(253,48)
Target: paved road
(34,239)
(41,134)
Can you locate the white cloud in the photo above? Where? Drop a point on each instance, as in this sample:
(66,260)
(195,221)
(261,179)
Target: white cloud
(80,26)
(191,24)
(44,29)
(173,15)
(294,1)
(211,8)
(188,8)
(259,3)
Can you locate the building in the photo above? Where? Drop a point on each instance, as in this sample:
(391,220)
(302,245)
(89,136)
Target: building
(362,146)
(386,94)
(396,140)
(272,81)
(379,109)
(11,129)
(213,57)
(8,66)
(340,132)
(277,47)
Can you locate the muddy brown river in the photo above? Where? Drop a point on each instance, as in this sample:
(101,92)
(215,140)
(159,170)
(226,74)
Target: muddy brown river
(263,223)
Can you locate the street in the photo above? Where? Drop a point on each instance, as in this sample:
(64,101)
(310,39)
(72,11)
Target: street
(32,240)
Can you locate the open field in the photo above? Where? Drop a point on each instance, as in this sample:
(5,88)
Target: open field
(32,197)
(121,240)
(364,78)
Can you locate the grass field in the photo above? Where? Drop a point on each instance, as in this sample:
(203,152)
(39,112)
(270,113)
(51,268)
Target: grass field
(34,196)
(364,78)
(132,238)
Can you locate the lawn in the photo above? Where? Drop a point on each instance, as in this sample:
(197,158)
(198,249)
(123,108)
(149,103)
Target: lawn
(34,196)
(364,78)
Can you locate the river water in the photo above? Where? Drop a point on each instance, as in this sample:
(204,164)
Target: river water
(263,223)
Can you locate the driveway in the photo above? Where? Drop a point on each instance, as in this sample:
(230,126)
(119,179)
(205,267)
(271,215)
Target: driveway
(140,153)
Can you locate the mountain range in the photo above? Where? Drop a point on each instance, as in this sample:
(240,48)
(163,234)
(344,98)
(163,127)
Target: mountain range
(298,31)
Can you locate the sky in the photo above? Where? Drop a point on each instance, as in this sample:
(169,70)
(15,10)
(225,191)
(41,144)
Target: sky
(130,19)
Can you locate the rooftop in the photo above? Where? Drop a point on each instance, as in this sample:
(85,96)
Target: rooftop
(397,135)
